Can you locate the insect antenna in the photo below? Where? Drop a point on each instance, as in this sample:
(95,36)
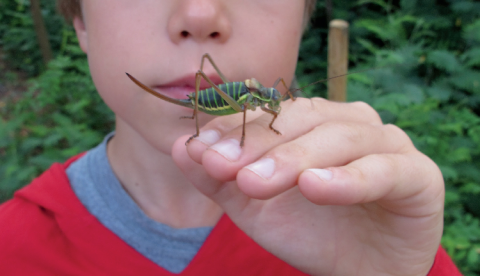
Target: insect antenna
(295,90)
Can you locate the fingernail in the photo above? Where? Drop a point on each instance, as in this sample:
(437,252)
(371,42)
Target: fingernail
(230,149)
(322,174)
(208,137)
(263,168)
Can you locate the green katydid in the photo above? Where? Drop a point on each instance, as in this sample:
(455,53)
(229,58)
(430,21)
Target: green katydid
(227,98)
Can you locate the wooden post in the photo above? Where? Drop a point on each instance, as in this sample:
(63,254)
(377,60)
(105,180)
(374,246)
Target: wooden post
(41,31)
(337,60)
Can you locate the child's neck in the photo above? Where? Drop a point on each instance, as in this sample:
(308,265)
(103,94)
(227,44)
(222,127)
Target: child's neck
(156,184)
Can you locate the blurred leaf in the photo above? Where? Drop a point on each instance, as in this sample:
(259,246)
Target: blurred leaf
(444,60)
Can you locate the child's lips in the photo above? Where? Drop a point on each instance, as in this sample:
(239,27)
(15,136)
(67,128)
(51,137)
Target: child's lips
(176,92)
(179,89)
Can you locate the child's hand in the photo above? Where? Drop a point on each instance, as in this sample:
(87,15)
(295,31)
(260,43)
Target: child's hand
(376,208)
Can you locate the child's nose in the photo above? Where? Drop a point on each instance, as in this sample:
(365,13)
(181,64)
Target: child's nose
(200,20)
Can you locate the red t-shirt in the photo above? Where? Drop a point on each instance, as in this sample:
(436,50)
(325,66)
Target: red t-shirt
(45,230)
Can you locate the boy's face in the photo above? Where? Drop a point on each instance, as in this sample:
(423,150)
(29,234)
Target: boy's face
(161,44)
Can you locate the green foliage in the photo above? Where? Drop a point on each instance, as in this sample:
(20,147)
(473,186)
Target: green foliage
(18,38)
(59,116)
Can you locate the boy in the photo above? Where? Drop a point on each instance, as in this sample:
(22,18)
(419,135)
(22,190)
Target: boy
(337,194)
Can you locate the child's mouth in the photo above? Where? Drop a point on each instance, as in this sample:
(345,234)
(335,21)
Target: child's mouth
(180,88)
(176,92)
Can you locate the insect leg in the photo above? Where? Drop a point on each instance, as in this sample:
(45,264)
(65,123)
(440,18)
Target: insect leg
(275,114)
(198,79)
(289,93)
(193,115)
(197,92)
(244,121)
(222,76)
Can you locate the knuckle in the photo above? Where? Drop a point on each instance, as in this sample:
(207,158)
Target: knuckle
(357,173)
(399,134)
(318,101)
(368,112)
(309,103)
(395,129)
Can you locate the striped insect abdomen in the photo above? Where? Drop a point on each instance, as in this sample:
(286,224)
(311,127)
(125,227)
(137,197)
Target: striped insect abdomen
(210,102)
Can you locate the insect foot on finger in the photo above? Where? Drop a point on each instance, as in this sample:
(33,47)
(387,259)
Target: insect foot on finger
(276,131)
(191,137)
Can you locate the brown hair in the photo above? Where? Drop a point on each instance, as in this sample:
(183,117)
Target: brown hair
(309,9)
(71,8)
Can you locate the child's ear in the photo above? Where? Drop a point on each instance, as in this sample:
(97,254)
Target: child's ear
(81,31)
